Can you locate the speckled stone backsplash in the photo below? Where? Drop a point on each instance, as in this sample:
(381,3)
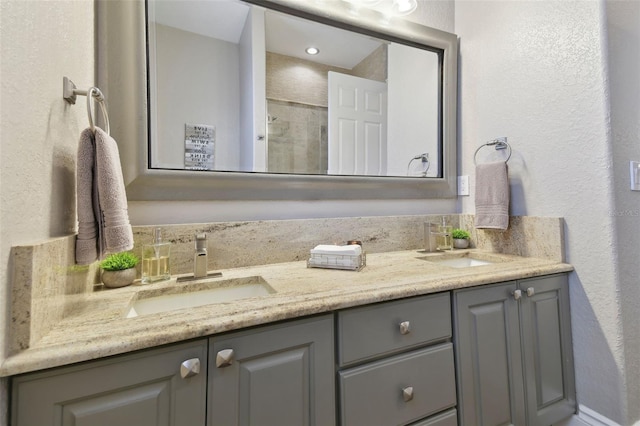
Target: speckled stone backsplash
(47,284)
(237,244)
(527,236)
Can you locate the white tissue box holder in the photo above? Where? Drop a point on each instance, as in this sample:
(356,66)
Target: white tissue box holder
(347,262)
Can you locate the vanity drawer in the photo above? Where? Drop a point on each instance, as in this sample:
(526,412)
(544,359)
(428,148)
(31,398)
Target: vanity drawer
(374,393)
(385,328)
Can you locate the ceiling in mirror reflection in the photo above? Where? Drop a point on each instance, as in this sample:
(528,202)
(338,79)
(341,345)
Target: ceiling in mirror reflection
(220,19)
(296,128)
(285,35)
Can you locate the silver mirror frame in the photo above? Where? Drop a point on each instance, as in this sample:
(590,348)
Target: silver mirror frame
(122,76)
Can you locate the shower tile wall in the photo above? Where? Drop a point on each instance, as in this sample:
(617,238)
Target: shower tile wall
(297,138)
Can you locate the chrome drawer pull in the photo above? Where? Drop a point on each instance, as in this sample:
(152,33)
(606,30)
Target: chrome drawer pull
(224,358)
(407,393)
(405,327)
(189,368)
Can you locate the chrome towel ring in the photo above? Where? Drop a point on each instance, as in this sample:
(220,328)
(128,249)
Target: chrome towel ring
(499,143)
(69,93)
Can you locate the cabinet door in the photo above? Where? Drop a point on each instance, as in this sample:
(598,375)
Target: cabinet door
(487,341)
(546,342)
(275,375)
(145,389)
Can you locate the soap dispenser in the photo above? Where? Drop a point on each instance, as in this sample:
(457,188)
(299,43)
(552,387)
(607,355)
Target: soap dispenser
(156,259)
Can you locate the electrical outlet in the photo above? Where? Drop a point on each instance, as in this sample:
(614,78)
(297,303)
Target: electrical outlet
(634,169)
(463,185)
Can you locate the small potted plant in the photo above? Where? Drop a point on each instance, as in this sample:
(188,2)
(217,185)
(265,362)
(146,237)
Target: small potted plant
(460,238)
(119,269)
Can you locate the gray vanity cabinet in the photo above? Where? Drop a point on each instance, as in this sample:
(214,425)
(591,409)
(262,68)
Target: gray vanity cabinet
(514,357)
(275,375)
(164,386)
(392,363)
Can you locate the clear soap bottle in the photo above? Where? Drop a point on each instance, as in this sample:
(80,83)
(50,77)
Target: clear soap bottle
(443,236)
(156,259)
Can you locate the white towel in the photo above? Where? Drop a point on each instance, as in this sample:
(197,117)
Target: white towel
(351,249)
(103,218)
(492,196)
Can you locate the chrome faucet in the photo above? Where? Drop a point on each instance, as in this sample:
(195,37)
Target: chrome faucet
(200,257)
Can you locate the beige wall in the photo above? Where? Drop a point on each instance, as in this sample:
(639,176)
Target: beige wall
(41,41)
(296,80)
(374,66)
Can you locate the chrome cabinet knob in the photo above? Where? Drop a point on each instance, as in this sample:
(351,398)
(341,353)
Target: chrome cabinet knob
(405,327)
(189,368)
(224,358)
(531,291)
(517,294)
(407,393)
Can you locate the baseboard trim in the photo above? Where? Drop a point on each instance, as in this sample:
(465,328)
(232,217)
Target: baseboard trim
(594,418)
(572,421)
(587,417)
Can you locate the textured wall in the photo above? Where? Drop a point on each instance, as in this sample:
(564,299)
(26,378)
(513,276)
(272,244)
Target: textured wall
(623,24)
(40,41)
(535,71)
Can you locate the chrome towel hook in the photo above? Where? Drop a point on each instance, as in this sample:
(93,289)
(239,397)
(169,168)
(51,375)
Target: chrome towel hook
(499,143)
(69,93)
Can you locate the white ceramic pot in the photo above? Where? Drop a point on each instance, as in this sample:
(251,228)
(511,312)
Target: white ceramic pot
(460,243)
(115,279)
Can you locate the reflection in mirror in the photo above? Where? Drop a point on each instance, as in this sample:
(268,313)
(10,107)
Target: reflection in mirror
(232,89)
(124,50)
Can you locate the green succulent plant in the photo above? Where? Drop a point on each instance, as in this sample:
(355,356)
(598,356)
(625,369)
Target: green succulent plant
(119,261)
(460,234)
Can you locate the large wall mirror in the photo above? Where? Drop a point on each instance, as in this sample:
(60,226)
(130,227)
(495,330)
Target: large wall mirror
(220,100)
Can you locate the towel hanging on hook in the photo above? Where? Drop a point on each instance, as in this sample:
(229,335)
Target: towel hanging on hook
(69,92)
(500,143)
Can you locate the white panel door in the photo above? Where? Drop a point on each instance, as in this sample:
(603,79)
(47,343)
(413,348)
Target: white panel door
(357,125)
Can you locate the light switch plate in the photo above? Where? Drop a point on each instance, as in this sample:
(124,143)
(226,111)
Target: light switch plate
(463,185)
(634,169)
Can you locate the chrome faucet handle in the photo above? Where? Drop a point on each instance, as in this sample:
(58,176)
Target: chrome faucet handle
(201,242)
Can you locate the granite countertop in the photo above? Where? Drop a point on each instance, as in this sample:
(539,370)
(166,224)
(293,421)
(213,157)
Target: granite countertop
(96,325)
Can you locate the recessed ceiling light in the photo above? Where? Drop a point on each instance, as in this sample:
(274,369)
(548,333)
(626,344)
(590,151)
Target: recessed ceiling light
(312,50)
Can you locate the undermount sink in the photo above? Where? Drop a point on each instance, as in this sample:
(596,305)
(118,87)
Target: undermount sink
(199,294)
(462,260)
